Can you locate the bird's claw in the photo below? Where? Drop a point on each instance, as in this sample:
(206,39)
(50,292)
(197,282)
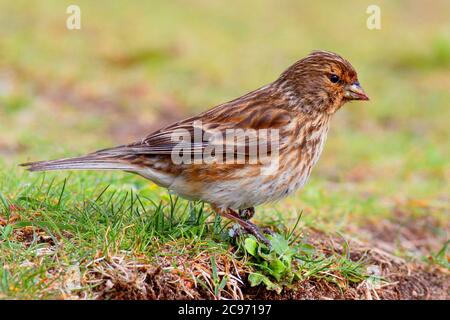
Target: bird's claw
(268,231)
(250,228)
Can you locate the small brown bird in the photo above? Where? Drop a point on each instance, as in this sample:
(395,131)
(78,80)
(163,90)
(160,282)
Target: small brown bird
(295,109)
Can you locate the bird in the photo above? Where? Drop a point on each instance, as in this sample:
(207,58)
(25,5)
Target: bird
(288,118)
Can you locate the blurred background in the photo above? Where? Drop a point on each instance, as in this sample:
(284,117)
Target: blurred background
(134,66)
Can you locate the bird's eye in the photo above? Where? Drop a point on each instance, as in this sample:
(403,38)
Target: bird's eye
(334,78)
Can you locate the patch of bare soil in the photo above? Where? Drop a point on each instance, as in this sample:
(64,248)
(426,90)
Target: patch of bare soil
(130,111)
(125,108)
(416,235)
(8,148)
(28,235)
(144,55)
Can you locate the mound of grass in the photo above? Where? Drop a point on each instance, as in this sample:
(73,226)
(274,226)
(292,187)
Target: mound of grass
(44,228)
(122,244)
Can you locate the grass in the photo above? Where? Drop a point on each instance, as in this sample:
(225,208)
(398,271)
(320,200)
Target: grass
(374,216)
(49,222)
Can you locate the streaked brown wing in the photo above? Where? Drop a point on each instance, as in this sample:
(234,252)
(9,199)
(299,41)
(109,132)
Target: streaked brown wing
(209,129)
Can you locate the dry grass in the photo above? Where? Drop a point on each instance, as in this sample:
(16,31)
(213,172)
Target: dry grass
(169,276)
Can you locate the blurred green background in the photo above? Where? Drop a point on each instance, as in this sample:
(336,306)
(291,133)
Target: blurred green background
(135,65)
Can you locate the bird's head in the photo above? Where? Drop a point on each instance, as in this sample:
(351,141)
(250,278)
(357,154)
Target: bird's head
(321,82)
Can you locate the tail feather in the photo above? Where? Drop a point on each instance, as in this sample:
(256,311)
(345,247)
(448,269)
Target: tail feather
(89,162)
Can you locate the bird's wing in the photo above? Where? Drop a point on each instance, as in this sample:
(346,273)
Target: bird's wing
(236,126)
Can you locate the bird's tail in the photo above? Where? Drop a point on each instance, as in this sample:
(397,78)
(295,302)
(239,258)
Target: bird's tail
(88,162)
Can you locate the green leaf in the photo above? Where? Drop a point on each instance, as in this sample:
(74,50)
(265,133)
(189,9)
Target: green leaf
(223,282)
(251,246)
(277,268)
(255,279)
(214,269)
(7,230)
(272,286)
(266,256)
(5,205)
(279,244)
(306,249)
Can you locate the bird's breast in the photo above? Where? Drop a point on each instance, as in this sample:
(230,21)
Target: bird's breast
(300,158)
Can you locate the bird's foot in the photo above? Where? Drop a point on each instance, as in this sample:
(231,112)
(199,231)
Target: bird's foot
(247,226)
(268,231)
(250,228)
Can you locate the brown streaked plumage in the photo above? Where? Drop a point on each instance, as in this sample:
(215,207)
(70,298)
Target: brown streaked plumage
(298,106)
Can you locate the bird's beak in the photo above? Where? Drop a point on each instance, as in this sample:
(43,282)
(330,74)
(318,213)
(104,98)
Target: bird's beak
(355,92)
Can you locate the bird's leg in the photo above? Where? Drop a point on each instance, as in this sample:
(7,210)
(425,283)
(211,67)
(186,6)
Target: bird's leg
(246,225)
(247,214)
